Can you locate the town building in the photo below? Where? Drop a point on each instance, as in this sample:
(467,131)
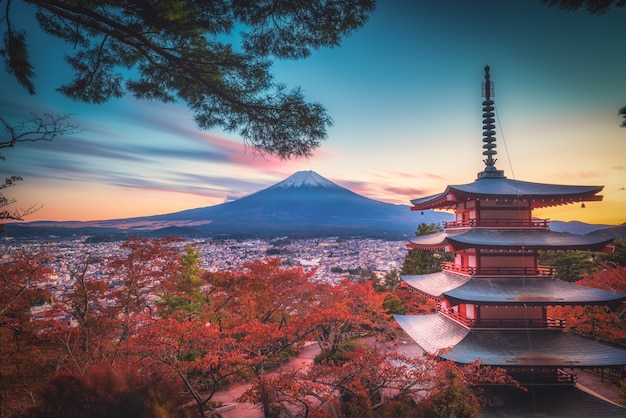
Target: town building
(494,296)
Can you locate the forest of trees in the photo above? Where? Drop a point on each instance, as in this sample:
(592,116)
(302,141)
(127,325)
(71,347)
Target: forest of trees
(160,336)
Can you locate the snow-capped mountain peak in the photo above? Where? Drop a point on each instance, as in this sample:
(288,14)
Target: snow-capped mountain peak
(305,179)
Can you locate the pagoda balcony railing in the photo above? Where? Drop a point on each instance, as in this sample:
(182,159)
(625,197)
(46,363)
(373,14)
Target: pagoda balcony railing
(499,271)
(549,323)
(498,223)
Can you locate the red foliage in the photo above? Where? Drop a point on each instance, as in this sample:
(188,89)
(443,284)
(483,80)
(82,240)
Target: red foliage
(597,321)
(108,392)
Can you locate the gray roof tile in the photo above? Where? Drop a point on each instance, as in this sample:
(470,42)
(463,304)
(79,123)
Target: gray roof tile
(530,239)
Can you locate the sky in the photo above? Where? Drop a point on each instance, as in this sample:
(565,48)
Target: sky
(404,92)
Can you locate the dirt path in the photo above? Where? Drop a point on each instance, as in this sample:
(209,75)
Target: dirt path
(305,357)
(246,410)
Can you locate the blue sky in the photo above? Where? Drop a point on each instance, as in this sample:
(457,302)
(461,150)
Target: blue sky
(404,94)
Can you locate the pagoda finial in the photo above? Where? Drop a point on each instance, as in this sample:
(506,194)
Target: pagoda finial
(489,141)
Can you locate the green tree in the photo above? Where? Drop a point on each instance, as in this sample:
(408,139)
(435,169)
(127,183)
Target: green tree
(393,305)
(189,51)
(618,256)
(392,280)
(592,6)
(418,261)
(183,294)
(570,265)
(427,229)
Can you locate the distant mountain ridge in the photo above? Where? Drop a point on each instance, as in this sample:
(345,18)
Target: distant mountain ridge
(305,204)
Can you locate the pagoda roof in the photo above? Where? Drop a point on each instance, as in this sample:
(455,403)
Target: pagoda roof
(539,239)
(541,194)
(533,290)
(435,284)
(510,290)
(432,332)
(505,348)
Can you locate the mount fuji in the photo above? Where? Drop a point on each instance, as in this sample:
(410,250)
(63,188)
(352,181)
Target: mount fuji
(303,205)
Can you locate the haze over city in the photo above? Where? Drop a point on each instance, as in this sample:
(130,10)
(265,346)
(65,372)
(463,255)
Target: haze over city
(404,94)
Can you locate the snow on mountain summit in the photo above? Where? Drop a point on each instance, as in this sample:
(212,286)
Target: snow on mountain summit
(305,179)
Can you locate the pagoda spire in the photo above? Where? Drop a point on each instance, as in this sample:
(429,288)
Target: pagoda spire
(489,140)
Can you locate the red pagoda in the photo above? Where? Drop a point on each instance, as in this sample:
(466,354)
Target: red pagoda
(494,296)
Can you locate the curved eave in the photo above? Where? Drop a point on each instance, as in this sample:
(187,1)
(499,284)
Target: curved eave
(528,239)
(443,200)
(523,348)
(510,239)
(534,348)
(540,194)
(435,284)
(435,241)
(432,332)
(535,291)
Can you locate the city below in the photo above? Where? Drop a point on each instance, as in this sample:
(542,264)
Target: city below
(332,259)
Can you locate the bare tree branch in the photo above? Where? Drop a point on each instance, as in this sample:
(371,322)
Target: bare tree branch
(39,128)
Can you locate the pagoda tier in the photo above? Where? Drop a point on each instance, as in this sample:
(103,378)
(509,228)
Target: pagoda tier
(502,191)
(507,239)
(437,333)
(510,291)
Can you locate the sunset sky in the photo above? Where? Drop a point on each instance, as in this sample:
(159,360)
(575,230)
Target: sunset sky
(404,92)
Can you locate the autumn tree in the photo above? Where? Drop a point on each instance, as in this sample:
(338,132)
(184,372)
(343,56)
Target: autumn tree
(370,381)
(90,339)
(250,319)
(105,309)
(275,305)
(347,386)
(415,303)
(348,310)
(214,56)
(108,392)
(598,322)
(24,359)
(453,390)
(199,354)
(137,275)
